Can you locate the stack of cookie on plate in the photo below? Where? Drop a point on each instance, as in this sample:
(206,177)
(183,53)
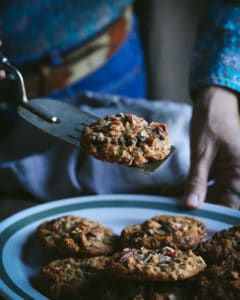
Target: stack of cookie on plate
(221,279)
(161,258)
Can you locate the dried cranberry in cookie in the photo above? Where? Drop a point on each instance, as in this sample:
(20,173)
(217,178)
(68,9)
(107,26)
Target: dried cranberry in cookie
(224,245)
(178,232)
(70,235)
(221,281)
(166,264)
(68,278)
(126,139)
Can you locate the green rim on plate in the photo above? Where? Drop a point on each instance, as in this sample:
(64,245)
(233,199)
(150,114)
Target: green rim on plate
(172,207)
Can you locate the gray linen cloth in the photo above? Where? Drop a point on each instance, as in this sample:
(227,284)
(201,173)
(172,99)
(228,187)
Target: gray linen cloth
(46,168)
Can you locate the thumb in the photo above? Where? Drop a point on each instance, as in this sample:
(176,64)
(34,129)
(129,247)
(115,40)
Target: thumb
(2,74)
(196,185)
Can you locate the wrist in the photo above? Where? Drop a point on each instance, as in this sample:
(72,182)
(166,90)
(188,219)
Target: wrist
(216,106)
(215,96)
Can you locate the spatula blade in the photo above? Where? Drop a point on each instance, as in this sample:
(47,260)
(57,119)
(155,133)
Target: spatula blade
(70,119)
(67,122)
(153,166)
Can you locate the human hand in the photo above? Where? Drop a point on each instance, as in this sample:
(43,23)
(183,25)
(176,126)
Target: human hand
(2,74)
(215,149)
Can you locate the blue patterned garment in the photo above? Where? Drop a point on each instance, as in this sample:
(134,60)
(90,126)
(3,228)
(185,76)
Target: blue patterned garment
(32,29)
(216,57)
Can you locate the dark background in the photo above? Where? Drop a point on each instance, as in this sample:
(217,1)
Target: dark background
(168,29)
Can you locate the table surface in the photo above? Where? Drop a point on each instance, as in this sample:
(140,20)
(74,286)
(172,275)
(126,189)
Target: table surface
(12,204)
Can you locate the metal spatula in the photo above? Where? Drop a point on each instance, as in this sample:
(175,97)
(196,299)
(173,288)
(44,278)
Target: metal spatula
(57,118)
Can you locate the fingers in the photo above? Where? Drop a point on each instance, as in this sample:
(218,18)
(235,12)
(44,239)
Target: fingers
(197,183)
(226,190)
(196,186)
(229,199)
(215,148)
(2,74)
(224,196)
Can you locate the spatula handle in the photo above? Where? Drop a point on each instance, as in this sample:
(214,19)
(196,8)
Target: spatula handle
(7,66)
(3,60)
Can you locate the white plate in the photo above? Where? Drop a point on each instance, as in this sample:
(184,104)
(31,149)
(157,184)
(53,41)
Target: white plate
(19,260)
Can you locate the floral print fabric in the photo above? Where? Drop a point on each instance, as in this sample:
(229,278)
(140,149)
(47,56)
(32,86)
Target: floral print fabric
(216,57)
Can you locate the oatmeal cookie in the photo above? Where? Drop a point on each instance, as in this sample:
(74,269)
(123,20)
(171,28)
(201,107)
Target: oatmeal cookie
(177,232)
(68,278)
(126,139)
(218,282)
(71,235)
(224,245)
(149,265)
(120,289)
